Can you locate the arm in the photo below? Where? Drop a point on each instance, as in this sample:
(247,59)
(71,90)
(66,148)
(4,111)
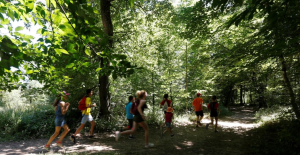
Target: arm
(142,102)
(64,107)
(55,108)
(88,103)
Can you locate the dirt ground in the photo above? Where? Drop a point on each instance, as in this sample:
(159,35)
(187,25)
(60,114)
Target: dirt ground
(187,140)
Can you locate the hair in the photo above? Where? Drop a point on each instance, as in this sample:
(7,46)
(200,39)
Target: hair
(198,95)
(166,96)
(214,97)
(88,91)
(57,99)
(130,98)
(140,94)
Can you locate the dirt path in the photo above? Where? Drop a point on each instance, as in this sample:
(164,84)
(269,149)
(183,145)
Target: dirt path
(187,140)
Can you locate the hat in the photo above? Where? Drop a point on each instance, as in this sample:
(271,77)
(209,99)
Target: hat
(64,93)
(198,94)
(169,109)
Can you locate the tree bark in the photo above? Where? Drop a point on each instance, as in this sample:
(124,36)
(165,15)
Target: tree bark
(288,86)
(241,95)
(104,62)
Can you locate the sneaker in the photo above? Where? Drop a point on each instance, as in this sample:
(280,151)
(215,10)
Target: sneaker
(47,147)
(73,139)
(206,126)
(149,145)
(117,135)
(91,137)
(59,144)
(130,137)
(172,135)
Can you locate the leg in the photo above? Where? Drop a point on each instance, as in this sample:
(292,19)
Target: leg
(56,133)
(66,130)
(92,128)
(133,130)
(78,130)
(212,120)
(144,125)
(216,118)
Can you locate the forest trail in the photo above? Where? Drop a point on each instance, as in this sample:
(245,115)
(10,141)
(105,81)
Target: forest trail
(187,140)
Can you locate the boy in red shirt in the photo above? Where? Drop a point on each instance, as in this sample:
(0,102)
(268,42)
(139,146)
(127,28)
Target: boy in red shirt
(169,116)
(214,108)
(197,103)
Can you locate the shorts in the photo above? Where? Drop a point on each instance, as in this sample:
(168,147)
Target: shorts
(130,123)
(168,124)
(60,121)
(199,113)
(86,118)
(138,118)
(213,114)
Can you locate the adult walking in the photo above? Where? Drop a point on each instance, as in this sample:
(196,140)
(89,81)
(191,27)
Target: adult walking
(139,118)
(61,107)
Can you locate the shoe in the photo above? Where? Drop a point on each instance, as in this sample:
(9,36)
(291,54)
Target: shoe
(47,147)
(149,145)
(200,124)
(206,126)
(117,135)
(216,131)
(91,137)
(130,137)
(172,135)
(197,126)
(73,139)
(59,144)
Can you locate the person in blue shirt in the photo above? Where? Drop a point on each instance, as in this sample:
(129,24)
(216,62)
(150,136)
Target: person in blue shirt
(129,116)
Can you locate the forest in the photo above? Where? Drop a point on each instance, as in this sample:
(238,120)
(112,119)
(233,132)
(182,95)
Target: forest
(245,52)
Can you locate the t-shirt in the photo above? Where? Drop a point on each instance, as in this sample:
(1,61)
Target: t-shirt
(128,114)
(87,111)
(163,102)
(216,106)
(197,103)
(169,116)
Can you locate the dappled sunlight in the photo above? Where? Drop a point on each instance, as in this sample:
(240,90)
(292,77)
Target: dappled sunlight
(188,143)
(236,124)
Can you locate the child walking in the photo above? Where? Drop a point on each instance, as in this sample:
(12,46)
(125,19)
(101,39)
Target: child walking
(197,103)
(214,108)
(139,118)
(61,108)
(86,116)
(169,117)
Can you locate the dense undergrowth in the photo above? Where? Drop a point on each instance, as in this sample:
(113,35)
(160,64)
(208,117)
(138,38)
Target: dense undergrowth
(278,132)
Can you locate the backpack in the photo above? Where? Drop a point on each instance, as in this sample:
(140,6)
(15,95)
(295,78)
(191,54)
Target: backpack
(212,106)
(82,105)
(134,107)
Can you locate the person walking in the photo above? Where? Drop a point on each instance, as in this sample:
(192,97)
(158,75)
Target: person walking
(197,103)
(139,118)
(214,109)
(129,116)
(61,108)
(86,116)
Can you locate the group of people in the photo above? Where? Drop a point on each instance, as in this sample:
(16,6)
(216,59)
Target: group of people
(61,106)
(134,114)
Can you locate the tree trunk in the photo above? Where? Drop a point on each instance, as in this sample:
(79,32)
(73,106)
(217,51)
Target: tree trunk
(241,95)
(103,76)
(288,86)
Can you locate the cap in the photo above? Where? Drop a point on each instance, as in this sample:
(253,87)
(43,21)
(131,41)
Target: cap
(169,109)
(198,94)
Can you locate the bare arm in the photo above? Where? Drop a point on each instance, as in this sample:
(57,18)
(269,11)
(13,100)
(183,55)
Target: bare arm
(142,102)
(55,108)
(64,107)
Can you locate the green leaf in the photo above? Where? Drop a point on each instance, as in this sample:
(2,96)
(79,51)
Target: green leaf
(5,21)
(29,72)
(98,69)
(70,65)
(19,28)
(1,26)
(87,51)
(58,51)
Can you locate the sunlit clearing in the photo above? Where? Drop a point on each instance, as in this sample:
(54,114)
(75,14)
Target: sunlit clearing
(94,147)
(188,143)
(236,124)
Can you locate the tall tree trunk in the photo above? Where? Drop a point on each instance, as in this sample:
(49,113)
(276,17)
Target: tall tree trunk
(103,76)
(288,86)
(241,95)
